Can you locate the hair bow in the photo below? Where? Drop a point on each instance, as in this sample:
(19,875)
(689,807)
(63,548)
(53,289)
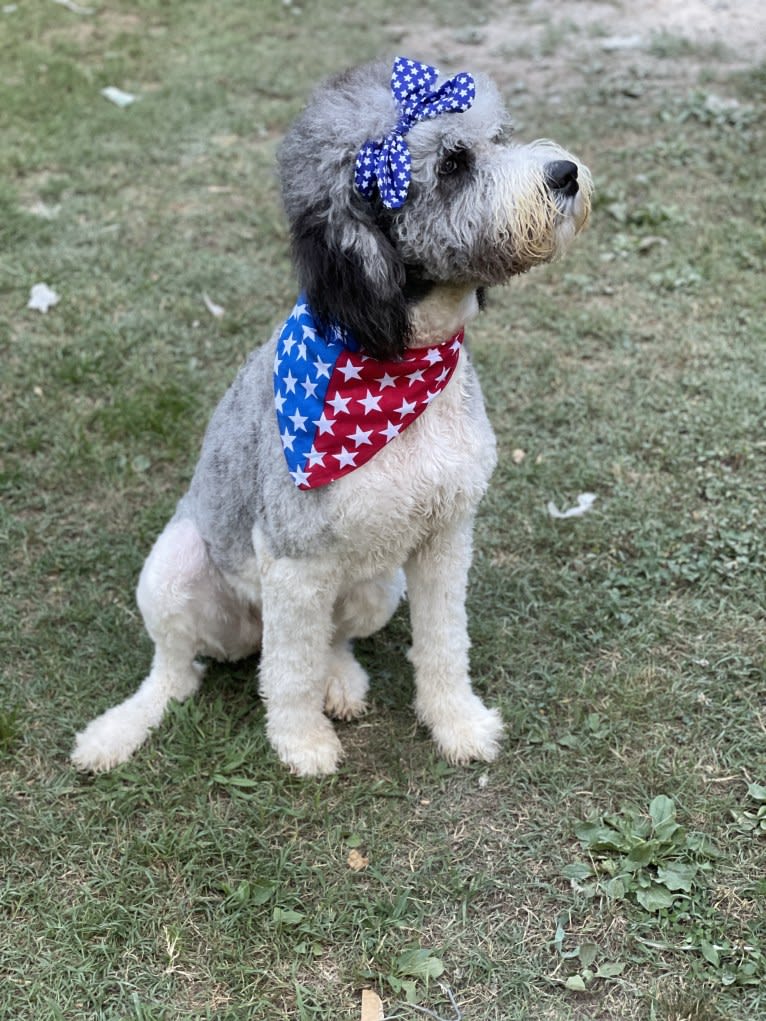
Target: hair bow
(385,162)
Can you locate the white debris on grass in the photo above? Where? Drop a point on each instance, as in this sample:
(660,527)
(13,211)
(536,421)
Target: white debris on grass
(622,42)
(42,297)
(584,503)
(44,211)
(372,1006)
(213,309)
(75,8)
(118,97)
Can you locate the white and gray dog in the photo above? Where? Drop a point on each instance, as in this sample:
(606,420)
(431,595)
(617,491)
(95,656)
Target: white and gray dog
(348,458)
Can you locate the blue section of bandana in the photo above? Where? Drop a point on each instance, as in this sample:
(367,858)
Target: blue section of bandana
(385,163)
(303,366)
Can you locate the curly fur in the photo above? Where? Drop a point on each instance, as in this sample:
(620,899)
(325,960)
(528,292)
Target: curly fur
(250,562)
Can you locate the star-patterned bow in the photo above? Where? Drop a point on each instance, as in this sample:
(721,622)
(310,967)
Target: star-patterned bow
(336,407)
(385,162)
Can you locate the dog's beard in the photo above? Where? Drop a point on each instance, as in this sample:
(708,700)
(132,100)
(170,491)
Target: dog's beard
(533,223)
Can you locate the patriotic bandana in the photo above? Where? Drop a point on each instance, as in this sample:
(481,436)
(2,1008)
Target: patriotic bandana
(385,162)
(337,407)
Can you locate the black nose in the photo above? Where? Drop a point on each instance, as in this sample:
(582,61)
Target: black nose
(561,176)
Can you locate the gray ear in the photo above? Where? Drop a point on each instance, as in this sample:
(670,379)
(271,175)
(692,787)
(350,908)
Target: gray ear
(347,266)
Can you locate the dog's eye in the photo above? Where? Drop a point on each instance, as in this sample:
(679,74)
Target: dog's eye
(455,165)
(453,161)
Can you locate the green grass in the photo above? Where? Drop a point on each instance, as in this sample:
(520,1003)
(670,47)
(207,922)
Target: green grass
(626,648)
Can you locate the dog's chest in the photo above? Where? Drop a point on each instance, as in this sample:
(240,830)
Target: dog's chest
(436,470)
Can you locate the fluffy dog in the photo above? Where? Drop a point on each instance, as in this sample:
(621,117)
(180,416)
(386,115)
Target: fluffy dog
(312,505)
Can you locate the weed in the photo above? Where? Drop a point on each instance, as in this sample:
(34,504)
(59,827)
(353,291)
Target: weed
(753,819)
(10,727)
(650,859)
(683,1006)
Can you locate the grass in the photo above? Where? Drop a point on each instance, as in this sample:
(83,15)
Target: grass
(625,648)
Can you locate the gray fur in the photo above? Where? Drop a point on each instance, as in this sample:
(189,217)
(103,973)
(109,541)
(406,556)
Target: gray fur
(235,482)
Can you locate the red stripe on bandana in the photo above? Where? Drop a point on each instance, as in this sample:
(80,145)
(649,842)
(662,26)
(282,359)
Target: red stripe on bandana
(369,403)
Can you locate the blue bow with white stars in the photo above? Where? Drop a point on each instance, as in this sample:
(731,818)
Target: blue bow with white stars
(385,162)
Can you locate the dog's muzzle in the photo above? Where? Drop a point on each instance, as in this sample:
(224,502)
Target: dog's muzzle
(561,178)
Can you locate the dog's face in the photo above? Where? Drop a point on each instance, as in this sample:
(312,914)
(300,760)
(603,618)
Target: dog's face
(482,209)
(479,208)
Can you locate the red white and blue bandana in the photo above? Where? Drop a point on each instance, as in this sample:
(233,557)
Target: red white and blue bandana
(337,407)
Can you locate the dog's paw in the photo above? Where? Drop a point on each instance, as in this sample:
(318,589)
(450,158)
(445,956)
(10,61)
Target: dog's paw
(108,740)
(465,730)
(346,688)
(307,747)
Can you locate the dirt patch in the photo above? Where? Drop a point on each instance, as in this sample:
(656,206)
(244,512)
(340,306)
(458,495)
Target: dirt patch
(739,25)
(545,46)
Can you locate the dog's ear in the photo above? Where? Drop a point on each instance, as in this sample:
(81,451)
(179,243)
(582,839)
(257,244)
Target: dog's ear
(352,274)
(347,265)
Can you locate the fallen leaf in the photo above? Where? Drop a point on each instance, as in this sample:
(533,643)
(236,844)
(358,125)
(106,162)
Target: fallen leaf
(42,297)
(372,1006)
(651,241)
(356,861)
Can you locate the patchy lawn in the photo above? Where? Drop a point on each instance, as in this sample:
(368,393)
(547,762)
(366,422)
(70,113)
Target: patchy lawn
(611,864)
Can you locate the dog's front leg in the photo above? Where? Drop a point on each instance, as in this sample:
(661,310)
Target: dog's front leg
(460,724)
(298,599)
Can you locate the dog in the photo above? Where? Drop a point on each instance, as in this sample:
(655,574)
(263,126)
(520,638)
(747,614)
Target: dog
(346,462)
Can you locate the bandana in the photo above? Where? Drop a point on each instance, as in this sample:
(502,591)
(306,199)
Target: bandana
(336,407)
(386,162)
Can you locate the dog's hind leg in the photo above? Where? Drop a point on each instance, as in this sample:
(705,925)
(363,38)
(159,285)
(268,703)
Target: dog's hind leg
(187,610)
(359,613)
(113,737)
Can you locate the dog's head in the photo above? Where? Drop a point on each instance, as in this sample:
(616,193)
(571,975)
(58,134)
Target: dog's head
(474,209)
